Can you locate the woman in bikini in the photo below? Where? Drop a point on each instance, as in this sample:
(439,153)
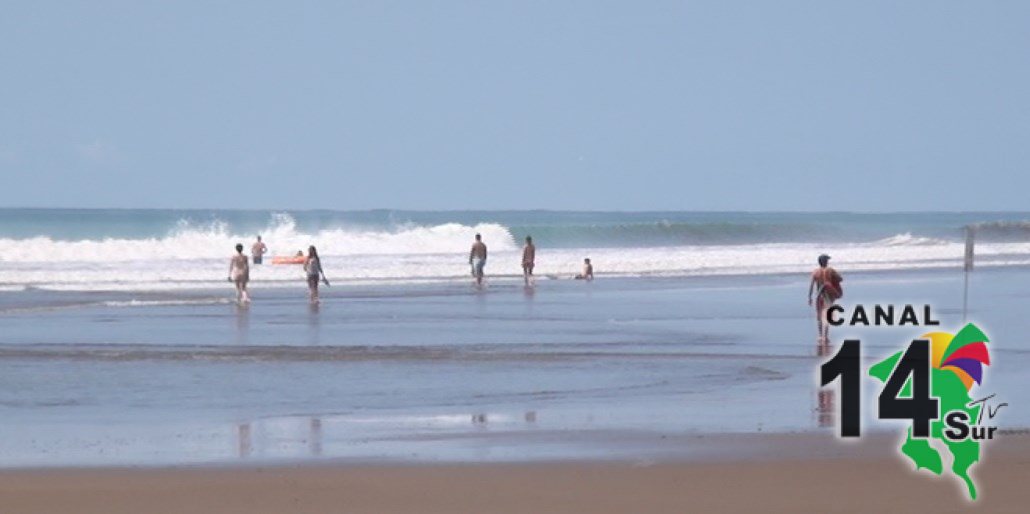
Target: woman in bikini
(239,274)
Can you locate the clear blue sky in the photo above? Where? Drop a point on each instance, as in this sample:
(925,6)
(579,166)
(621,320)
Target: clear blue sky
(715,105)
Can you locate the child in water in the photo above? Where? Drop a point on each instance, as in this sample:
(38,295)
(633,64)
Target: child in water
(588,271)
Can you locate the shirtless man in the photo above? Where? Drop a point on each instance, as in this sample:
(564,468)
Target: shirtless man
(528,258)
(826,284)
(258,250)
(477,259)
(588,271)
(239,274)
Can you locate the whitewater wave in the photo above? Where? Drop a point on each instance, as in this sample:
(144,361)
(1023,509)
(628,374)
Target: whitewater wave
(214,240)
(907,239)
(165,303)
(195,255)
(175,274)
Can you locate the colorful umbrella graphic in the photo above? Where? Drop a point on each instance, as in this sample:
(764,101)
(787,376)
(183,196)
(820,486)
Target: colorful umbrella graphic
(964,354)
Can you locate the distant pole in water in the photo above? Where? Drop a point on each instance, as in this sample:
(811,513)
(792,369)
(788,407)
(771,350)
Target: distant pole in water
(315,436)
(968,267)
(245,444)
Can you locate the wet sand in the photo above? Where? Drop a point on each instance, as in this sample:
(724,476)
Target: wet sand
(788,473)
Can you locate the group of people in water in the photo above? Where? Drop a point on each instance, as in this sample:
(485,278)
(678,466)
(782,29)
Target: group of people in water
(824,286)
(239,267)
(477,260)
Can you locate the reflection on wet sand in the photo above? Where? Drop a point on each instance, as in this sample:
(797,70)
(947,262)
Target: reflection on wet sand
(242,325)
(314,439)
(825,411)
(314,324)
(315,436)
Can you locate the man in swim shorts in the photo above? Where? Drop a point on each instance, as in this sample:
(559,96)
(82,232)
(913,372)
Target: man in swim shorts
(258,250)
(477,259)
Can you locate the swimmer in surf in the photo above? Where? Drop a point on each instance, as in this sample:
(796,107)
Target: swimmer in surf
(477,259)
(588,271)
(258,250)
(528,258)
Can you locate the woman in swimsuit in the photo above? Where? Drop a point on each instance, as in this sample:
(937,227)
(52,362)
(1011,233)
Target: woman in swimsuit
(313,269)
(239,274)
(826,284)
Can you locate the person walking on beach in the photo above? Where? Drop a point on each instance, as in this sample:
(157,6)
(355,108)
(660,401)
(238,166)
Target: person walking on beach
(313,269)
(258,250)
(528,258)
(588,271)
(477,259)
(826,285)
(239,274)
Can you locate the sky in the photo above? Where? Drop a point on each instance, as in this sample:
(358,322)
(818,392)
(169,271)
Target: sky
(559,104)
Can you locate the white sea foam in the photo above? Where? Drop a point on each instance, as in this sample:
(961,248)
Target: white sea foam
(213,240)
(907,239)
(164,303)
(194,257)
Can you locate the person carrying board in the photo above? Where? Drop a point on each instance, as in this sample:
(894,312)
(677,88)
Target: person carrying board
(313,270)
(826,285)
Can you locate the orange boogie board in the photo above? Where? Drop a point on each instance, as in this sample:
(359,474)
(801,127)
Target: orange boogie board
(288,260)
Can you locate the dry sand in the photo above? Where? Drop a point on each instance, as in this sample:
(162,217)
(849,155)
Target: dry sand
(795,473)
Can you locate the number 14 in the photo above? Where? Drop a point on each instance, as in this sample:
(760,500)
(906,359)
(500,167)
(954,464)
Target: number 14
(916,405)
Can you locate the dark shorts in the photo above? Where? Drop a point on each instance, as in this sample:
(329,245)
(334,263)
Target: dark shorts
(257,259)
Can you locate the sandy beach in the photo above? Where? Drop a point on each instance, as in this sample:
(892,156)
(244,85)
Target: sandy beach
(797,473)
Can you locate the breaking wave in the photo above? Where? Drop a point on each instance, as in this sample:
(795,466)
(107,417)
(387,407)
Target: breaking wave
(193,254)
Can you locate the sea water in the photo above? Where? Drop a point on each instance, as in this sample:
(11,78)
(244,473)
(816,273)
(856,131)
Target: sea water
(119,342)
(146,250)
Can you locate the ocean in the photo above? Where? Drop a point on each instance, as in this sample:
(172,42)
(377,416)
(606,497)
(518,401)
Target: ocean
(147,250)
(120,343)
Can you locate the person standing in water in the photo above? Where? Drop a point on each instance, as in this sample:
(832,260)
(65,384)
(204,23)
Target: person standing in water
(258,250)
(528,258)
(825,284)
(588,271)
(239,274)
(313,269)
(477,259)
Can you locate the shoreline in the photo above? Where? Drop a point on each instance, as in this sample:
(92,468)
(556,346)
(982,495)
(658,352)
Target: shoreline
(800,473)
(507,280)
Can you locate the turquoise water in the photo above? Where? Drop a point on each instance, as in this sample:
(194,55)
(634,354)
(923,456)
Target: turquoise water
(550,228)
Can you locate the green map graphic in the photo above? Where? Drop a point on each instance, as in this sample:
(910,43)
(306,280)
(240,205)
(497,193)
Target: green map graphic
(952,394)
